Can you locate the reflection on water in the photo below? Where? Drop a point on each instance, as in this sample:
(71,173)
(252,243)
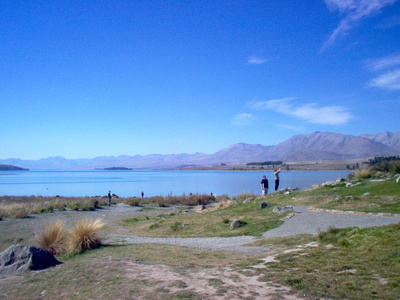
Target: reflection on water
(132,183)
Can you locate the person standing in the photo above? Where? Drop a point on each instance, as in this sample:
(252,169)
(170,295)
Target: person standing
(109,198)
(276,176)
(264,186)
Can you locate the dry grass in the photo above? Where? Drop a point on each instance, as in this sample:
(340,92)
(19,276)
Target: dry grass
(84,236)
(222,204)
(362,174)
(53,238)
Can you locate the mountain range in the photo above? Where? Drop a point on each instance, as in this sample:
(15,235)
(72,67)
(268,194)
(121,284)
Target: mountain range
(315,146)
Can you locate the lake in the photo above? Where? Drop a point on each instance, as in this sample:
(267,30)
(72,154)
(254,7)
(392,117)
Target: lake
(152,183)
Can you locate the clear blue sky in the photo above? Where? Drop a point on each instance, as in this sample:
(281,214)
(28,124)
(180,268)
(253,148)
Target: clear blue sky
(96,78)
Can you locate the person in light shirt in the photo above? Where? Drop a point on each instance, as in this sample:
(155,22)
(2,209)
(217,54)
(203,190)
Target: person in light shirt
(276,176)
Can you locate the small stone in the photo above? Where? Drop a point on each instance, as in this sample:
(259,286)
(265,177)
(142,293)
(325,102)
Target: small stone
(235,224)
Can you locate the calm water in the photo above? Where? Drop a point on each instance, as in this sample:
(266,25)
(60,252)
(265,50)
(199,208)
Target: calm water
(132,183)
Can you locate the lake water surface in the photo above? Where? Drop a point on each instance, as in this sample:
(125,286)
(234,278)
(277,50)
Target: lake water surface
(152,183)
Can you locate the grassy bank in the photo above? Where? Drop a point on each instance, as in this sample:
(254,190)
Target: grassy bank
(350,263)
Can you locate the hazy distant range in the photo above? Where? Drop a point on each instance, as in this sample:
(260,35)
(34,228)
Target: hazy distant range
(315,146)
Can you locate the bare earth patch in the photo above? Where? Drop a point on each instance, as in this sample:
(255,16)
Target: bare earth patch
(210,283)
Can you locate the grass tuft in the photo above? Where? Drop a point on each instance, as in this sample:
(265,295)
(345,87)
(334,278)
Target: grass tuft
(84,236)
(53,238)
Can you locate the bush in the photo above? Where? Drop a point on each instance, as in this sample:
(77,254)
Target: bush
(133,201)
(361,174)
(84,236)
(88,205)
(176,226)
(154,226)
(73,206)
(53,238)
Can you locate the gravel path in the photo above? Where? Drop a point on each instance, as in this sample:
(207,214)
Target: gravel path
(304,221)
(307,221)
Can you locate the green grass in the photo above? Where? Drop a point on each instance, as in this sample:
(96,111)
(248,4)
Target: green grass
(210,222)
(357,264)
(382,197)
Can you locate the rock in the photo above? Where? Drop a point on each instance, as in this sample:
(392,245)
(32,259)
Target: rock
(248,200)
(398,179)
(281,210)
(264,205)
(235,224)
(17,259)
(199,208)
(367,194)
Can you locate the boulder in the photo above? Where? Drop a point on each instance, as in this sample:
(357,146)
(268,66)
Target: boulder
(281,210)
(235,224)
(398,179)
(17,259)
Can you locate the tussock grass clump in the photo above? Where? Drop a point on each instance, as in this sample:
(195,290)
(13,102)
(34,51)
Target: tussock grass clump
(187,200)
(223,204)
(23,206)
(53,238)
(242,197)
(362,174)
(17,211)
(84,236)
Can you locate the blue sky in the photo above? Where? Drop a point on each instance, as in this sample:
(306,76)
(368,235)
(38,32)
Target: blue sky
(96,78)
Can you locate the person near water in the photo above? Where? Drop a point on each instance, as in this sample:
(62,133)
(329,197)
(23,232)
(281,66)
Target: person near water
(109,198)
(276,176)
(142,194)
(264,186)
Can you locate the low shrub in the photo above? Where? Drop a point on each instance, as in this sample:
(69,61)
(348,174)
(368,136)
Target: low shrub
(154,226)
(88,205)
(133,201)
(53,238)
(176,226)
(73,205)
(84,236)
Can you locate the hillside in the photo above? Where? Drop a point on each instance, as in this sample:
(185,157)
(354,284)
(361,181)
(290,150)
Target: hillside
(11,168)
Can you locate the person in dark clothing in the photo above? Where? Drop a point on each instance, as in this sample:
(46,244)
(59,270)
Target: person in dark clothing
(109,198)
(264,186)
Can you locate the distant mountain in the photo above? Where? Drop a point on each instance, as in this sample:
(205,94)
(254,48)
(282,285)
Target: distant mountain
(330,146)
(389,139)
(301,147)
(237,153)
